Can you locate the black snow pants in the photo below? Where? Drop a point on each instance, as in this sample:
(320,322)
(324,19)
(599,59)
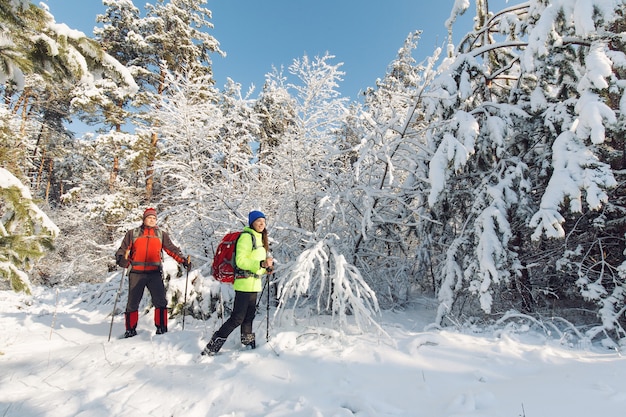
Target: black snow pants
(244,310)
(138,281)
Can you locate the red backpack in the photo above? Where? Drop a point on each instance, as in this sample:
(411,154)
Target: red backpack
(224,268)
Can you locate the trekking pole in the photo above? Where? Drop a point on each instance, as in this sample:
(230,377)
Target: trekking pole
(117,296)
(221,305)
(258,301)
(186,281)
(267,326)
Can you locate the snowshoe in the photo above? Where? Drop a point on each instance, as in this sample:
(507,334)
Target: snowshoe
(248,340)
(130,333)
(213,346)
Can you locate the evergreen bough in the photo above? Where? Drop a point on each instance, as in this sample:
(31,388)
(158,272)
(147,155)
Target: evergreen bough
(26,233)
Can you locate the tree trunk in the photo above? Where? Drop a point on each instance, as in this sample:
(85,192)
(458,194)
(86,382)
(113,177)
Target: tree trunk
(153,145)
(49,182)
(150,168)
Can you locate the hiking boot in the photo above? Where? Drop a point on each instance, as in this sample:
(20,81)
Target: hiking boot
(160,320)
(214,346)
(248,340)
(130,333)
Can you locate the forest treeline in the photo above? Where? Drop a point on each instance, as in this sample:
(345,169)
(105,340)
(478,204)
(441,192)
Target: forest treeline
(489,176)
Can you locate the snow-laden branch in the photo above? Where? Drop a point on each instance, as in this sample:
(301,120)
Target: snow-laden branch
(322,273)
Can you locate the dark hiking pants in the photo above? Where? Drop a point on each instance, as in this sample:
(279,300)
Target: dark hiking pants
(244,310)
(138,281)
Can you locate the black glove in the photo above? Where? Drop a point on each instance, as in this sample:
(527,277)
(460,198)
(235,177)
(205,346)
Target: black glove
(123,262)
(187,264)
(269,269)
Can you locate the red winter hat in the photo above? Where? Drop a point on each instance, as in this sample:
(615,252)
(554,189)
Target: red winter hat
(149,212)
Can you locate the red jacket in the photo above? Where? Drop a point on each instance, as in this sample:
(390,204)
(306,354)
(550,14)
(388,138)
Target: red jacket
(145,245)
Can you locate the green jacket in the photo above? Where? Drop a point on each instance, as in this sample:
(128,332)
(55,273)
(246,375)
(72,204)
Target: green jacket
(249,259)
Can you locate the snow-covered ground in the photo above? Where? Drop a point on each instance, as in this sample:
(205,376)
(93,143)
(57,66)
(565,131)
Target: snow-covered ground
(55,360)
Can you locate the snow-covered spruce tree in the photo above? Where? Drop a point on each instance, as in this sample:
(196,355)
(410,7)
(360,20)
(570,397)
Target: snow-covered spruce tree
(478,180)
(520,117)
(108,102)
(275,107)
(121,36)
(174,39)
(586,208)
(26,233)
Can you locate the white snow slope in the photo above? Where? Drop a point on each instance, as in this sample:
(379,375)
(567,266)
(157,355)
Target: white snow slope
(55,360)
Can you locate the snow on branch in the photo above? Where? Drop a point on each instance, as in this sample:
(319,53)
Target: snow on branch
(46,226)
(78,48)
(351,293)
(576,169)
(25,231)
(454,150)
(324,275)
(593,113)
(494,232)
(452,279)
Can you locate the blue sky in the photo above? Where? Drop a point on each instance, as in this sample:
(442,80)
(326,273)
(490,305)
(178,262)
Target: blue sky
(364,35)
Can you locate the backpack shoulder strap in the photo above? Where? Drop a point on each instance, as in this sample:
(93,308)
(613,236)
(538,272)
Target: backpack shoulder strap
(234,261)
(254,246)
(135,234)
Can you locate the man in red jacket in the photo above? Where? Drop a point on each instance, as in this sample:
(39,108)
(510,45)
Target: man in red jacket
(142,249)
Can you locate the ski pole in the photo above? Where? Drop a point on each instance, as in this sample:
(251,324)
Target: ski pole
(186,281)
(258,301)
(221,305)
(117,296)
(267,326)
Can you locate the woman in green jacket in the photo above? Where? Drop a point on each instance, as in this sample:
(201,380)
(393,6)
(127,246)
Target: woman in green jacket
(253,261)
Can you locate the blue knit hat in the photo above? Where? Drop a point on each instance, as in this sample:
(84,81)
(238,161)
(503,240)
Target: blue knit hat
(255,214)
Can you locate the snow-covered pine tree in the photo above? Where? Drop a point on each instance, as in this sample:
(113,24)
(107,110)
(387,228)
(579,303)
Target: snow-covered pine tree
(26,233)
(50,63)
(54,62)
(522,123)
(174,38)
